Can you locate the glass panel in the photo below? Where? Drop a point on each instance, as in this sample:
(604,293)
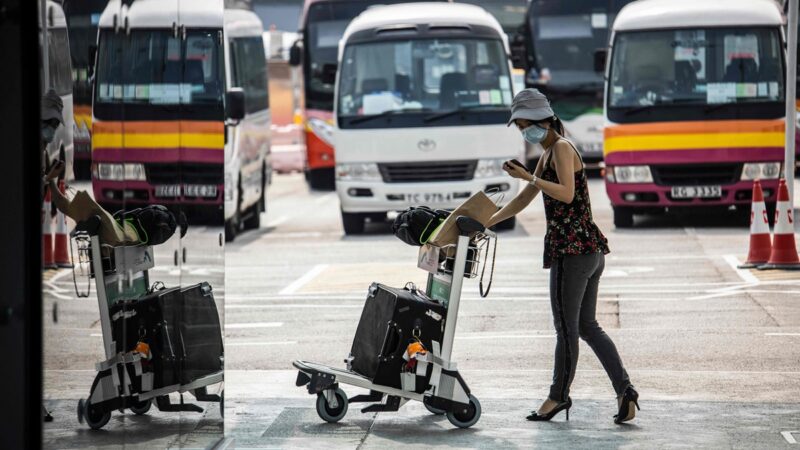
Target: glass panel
(424,74)
(697,66)
(150,319)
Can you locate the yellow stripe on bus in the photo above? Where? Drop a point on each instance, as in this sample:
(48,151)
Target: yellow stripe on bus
(196,140)
(692,141)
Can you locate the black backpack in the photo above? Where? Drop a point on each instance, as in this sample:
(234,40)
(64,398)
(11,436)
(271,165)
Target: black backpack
(415,225)
(154,224)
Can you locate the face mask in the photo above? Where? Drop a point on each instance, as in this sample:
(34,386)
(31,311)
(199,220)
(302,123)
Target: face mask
(534,134)
(48,133)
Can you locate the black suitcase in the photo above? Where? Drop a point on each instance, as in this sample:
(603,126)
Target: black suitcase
(182,328)
(390,320)
(201,334)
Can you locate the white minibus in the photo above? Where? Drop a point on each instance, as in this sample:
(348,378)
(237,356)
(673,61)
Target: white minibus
(421,103)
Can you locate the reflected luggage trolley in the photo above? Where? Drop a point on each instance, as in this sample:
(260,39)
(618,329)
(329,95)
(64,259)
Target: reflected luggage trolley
(151,335)
(444,391)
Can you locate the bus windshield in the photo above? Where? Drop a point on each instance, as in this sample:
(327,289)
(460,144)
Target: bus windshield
(59,61)
(153,67)
(325,25)
(424,75)
(510,13)
(696,66)
(564,35)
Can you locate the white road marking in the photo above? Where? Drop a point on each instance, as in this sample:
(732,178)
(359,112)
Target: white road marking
(56,294)
(517,336)
(325,198)
(292,305)
(781,334)
(96,335)
(277,221)
(302,281)
(788,435)
(258,344)
(253,325)
(744,274)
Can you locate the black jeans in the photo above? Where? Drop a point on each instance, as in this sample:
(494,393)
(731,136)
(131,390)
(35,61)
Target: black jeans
(573,297)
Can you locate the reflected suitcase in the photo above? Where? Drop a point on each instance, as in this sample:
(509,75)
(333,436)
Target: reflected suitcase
(389,321)
(182,328)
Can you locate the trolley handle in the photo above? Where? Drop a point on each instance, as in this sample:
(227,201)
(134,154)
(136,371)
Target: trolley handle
(467,226)
(90,226)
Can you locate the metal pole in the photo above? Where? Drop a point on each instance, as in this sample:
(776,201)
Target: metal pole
(44,33)
(791,113)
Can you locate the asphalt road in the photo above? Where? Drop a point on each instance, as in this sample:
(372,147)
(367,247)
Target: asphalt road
(714,351)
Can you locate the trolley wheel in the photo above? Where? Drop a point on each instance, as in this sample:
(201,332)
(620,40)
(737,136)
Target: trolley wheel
(94,420)
(328,414)
(436,411)
(222,404)
(467,418)
(141,408)
(80,411)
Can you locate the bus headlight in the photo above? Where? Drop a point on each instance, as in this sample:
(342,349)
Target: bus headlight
(322,130)
(119,172)
(135,172)
(632,174)
(488,168)
(762,171)
(358,172)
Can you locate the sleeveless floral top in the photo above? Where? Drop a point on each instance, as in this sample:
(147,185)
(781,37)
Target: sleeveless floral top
(570,227)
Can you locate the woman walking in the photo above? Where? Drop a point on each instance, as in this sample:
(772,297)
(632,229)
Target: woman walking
(574,251)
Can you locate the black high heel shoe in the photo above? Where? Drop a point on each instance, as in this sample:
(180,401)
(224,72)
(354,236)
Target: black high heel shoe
(626,410)
(535,417)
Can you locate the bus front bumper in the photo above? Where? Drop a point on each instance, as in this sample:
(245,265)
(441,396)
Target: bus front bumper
(380,197)
(646,195)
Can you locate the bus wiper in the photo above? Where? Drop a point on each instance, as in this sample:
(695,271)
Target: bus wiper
(557,95)
(388,112)
(459,110)
(639,109)
(716,106)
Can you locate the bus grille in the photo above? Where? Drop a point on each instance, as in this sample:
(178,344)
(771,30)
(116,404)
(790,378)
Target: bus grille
(428,171)
(186,173)
(696,175)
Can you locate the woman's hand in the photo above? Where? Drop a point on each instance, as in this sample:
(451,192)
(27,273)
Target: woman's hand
(516,171)
(55,171)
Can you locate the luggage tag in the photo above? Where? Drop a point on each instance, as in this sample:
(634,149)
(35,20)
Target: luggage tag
(428,258)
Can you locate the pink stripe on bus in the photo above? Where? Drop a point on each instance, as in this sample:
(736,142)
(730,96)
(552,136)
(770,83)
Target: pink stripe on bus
(698,156)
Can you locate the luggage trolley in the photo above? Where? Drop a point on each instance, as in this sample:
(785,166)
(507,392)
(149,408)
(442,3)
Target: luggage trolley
(122,381)
(447,392)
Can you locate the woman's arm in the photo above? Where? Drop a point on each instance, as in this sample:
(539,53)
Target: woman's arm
(563,158)
(521,201)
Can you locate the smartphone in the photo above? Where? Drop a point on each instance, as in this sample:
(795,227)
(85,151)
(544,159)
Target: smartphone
(519,164)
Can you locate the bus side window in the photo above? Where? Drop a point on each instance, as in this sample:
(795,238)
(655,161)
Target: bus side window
(251,72)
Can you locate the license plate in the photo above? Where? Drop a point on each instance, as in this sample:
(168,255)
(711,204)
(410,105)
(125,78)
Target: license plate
(190,190)
(434,197)
(200,190)
(168,190)
(696,191)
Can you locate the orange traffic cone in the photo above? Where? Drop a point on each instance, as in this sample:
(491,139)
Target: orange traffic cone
(784,251)
(62,240)
(760,242)
(47,233)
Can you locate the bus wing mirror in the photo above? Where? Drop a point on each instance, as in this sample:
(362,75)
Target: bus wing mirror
(519,53)
(600,56)
(328,73)
(92,55)
(234,104)
(295,54)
